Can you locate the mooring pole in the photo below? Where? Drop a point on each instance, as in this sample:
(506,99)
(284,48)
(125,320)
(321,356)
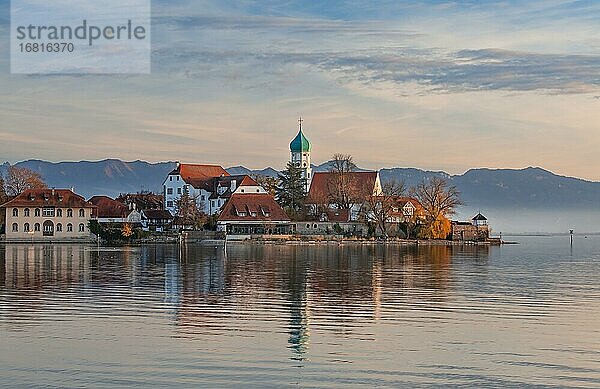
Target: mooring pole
(571,234)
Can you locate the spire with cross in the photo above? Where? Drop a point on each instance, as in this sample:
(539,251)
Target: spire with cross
(300,122)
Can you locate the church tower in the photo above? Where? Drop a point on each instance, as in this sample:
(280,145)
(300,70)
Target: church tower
(300,154)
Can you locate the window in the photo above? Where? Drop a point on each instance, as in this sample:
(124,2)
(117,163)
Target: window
(26,212)
(15,212)
(315,225)
(69,227)
(81,227)
(212,203)
(308,226)
(36,227)
(307,175)
(59,227)
(169,204)
(177,178)
(253,214)
(59,212)
(178,190)
(257,190)
(202,198)
(219,202)
(26,227)
(37,212)
(241,190)
(69,212)
(15,227)
(48,212)
(170,178)
(169,191)
(82,212)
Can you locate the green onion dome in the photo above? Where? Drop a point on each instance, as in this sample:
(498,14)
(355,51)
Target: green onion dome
(300,143)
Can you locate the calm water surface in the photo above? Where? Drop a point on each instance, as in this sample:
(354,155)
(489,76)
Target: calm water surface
(301,316)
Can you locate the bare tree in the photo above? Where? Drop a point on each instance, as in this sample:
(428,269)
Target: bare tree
(3,196)
(379,209)
(439,201)
(342,187)
(189,211)
(19,179)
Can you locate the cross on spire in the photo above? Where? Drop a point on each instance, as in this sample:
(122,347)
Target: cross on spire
(300,121)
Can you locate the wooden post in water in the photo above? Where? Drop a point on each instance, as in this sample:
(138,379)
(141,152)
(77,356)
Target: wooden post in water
(571,234)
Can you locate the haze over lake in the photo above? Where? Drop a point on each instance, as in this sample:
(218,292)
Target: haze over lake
(324,316)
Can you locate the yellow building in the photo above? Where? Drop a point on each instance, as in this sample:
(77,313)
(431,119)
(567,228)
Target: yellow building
(47,214)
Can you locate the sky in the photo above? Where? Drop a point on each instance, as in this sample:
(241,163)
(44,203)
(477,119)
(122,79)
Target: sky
(440,85)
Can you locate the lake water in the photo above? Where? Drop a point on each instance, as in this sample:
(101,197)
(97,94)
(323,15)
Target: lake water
(301,316)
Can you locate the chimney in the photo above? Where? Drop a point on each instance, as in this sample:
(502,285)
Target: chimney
(53,192)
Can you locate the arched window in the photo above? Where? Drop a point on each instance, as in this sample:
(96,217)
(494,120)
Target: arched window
(69,227)
(36,227)
(26,212)
(59,212)
(69,212)
(15,227)
(15,212)
(26,227)
(81,212)
(81,227)
(37,212)
(59,227)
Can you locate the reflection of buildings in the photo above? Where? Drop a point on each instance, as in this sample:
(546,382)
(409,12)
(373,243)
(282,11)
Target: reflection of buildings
(37,266)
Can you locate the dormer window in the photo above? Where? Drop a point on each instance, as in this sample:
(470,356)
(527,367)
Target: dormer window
(233,185)
(253,214)
(221,190)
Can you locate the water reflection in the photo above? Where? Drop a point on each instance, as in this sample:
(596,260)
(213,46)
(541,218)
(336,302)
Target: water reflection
(375,315)
(202,287)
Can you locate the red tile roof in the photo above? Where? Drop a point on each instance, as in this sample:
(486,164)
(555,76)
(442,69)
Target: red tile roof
(252,207)
(63,198)
(198,172)
(109,208)
(364,182)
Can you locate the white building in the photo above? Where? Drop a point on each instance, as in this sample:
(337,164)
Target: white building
(210,185)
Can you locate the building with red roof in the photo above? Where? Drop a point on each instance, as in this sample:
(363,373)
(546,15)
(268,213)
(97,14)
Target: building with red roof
(48,214)
(359,186)
(209,185)
(113,211)
(254,213)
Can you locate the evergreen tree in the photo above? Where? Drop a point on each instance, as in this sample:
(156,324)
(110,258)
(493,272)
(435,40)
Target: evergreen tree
(291,192)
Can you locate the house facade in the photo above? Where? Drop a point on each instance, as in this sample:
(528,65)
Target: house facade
(48,214)
(209,185)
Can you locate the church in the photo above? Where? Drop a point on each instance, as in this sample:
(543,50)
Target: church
(318,184)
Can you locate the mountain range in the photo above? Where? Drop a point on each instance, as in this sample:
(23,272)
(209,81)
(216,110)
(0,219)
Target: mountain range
(517,200)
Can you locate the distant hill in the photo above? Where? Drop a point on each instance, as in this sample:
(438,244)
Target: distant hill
(518,200)
(108,177)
